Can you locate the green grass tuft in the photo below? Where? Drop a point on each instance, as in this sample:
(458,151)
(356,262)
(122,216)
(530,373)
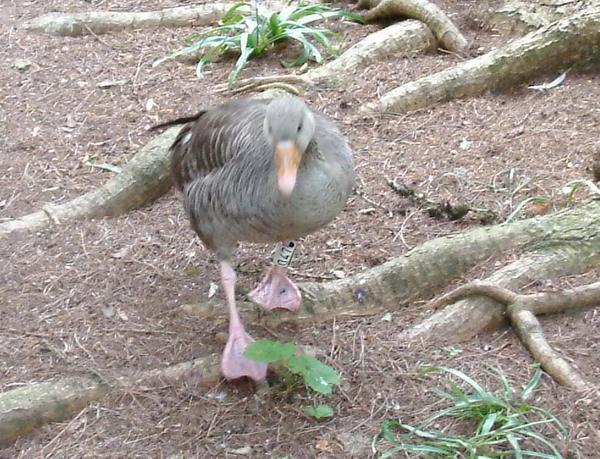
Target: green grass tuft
(251,30)
(502,426)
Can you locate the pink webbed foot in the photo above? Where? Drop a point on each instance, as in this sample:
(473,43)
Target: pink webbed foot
(276,291)
(233,363)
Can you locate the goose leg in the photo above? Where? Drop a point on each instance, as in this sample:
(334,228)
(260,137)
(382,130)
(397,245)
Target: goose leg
(233,363)
(276,290)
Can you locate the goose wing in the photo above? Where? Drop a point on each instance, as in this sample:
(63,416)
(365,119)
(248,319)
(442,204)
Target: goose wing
(214,138)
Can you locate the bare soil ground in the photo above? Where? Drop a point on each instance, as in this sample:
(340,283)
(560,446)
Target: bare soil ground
(105,294)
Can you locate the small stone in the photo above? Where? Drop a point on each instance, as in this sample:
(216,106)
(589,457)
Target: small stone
(243,451)
(21,64)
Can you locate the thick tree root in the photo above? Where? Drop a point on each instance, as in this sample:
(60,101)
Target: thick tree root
(144,178)
(98,22)
(28,407)
(433,265)
(571,40)
(403,39)
(522,310)
(467,318)
(442,27)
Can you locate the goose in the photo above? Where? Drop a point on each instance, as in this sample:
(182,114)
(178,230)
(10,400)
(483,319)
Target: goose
(259,171)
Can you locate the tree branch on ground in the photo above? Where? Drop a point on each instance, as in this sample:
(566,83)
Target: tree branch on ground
(557,46)
(522,310)
(442,27)
(439,210)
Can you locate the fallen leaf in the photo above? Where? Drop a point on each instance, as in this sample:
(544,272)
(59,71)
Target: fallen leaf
(108,311)
(339,274)
(553,84)
(243,451)
(121,252)
(213,289)
(104,84)
(324,445)
(122,315)
(150,104)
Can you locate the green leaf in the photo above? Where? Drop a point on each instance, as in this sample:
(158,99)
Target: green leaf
(317,375)
(233,15)
(319,411)
(268,351)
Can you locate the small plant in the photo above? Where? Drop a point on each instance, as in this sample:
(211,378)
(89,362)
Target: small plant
(505,426)
(251,30)
(319,377)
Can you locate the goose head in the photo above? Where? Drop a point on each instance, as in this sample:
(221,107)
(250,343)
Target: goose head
(289,126)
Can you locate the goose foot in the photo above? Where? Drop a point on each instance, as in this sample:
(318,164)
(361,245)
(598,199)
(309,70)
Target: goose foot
(233,363)
(277,291)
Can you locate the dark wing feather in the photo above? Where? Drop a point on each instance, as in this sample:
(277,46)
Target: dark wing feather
(213,138)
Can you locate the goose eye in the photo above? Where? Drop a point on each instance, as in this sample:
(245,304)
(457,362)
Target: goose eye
(300,127)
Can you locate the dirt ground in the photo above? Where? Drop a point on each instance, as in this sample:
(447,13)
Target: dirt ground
(106,294)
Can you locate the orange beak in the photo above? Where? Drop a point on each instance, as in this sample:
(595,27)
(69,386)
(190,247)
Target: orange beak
(287,160)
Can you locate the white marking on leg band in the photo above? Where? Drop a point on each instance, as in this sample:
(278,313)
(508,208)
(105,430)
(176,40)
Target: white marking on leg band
(284,254)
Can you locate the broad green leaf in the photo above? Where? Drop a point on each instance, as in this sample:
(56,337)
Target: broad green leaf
(319,411)
(267,351)
(317,375)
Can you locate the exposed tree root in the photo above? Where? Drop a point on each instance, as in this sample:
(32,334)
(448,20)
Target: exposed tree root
(98,22)
(442,27)
(431,266)
(522,310)
(569,41)
(403,39)
(144,178)
(467,318)
(28,407)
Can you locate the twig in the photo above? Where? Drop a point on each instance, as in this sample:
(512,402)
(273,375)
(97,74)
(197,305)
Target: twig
(439,209)
(256,82)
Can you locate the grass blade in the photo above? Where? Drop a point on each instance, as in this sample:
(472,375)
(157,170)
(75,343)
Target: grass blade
(532,384)
(515,445)
(242,60)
